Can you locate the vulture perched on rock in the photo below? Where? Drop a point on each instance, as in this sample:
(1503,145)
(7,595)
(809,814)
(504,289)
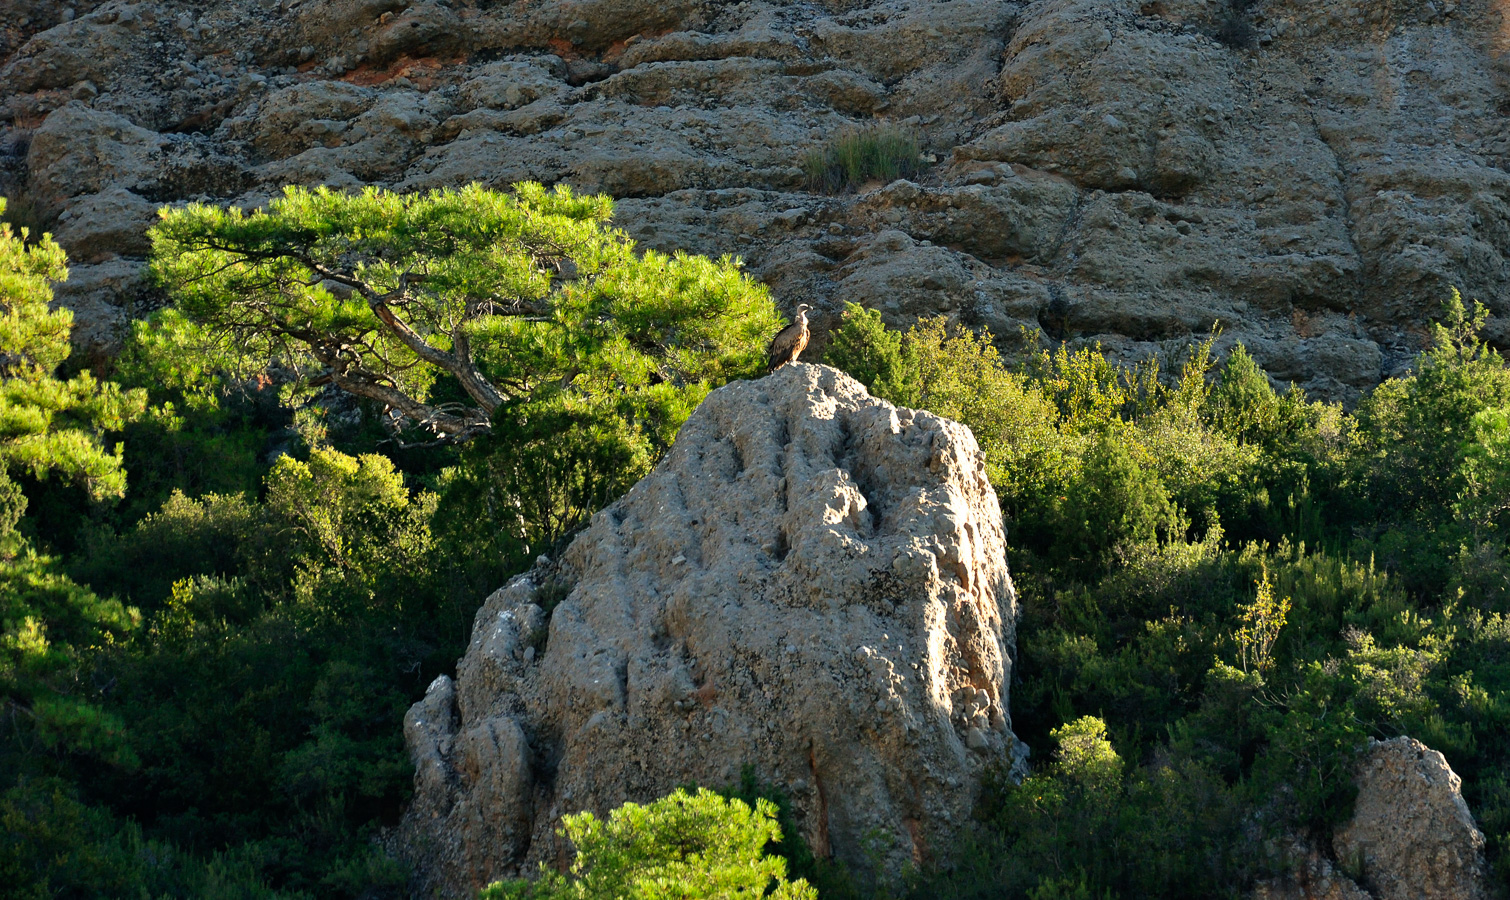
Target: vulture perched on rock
(787,345)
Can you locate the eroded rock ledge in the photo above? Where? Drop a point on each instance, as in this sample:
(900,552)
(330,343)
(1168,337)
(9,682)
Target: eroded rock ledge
(812,582)
(1312,176)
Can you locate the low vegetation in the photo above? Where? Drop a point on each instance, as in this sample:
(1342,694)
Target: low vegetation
(1226,591)
(698,844)
(226,571)
(878,153)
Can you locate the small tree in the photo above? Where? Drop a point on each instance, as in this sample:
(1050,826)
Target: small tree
(443,307)
(682,847)
(49,425)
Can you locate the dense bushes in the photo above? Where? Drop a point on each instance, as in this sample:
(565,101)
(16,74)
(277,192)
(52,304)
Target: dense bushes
(1226,590)
(203,682)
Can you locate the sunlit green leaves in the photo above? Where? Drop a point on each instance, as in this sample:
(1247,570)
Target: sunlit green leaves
(525,291)
(48,425)
(685,846)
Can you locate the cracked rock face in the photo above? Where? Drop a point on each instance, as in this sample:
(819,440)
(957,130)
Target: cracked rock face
(812,582)
(1312,177)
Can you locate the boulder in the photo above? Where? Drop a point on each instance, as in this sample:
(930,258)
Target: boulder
(103,298)
(311,114)
(92,47)
(82,151)
(113,222)
(1411,836)
(812,583)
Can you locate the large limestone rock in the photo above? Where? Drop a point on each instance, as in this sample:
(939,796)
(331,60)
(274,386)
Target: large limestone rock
(1411,835)
(812,582)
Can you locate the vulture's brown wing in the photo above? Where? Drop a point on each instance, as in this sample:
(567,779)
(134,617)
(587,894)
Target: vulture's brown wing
(784,346)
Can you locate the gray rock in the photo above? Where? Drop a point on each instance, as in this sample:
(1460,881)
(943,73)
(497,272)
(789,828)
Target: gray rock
(80,151)
(97,226)
(1411,836)
(103,298)
(1104,169)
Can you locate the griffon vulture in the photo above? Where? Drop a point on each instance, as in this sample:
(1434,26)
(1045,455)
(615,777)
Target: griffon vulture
(790,342)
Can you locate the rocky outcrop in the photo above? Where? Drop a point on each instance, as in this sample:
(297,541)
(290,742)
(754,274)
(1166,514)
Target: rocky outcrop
(1411,836)
(1313,177)
(812,582)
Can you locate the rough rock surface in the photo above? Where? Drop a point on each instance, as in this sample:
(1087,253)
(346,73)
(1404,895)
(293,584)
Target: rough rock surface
(1313,176)
(1411,836)
(812,582)
(1313,878)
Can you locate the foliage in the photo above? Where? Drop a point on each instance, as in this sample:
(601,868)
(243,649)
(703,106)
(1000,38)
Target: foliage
(1225,588)
(445,306)
(684,846)
(52,845)
(877,357)
(879,152)
(214,669)
(564,458)
(1233,586)
(49,425)
(1262,621)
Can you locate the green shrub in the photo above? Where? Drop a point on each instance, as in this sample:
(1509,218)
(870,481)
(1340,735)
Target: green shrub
(1113,510)
(53,845)
(685,845)
(879,358)
(875,153)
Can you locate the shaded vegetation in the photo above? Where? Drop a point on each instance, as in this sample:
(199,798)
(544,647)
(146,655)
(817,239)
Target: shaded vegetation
(203,680)
(226,572)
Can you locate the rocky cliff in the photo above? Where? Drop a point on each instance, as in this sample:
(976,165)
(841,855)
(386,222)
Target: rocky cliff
(812,582)
(1313,176)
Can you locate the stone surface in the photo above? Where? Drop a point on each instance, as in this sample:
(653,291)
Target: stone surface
(1314,878)
(1411,836)
(1311,177)
(103,298)
(812,582)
